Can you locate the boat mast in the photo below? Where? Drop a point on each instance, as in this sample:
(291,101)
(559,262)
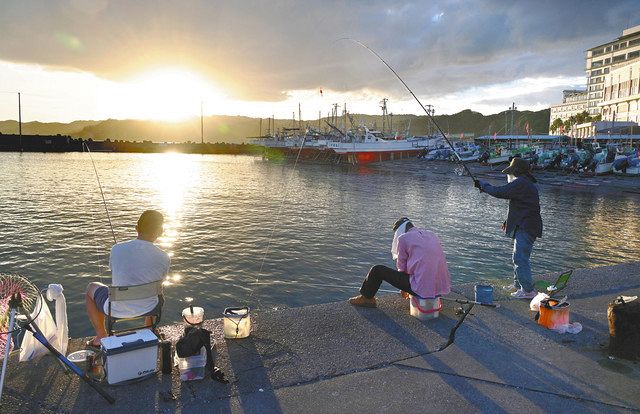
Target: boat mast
(384,112)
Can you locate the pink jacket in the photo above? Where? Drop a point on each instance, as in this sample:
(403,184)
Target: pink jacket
(420,255)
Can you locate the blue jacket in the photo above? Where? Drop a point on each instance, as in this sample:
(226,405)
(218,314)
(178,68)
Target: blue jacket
(524,205)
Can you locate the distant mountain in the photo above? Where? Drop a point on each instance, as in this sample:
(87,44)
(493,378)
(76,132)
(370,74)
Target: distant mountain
(238,129)
(42,128)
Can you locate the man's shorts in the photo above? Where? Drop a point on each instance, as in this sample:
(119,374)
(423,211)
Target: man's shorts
(101,296)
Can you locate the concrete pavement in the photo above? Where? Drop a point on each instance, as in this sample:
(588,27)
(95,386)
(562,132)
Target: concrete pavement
(337,358)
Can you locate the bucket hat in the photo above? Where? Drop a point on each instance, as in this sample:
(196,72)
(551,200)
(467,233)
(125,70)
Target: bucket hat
(518,167)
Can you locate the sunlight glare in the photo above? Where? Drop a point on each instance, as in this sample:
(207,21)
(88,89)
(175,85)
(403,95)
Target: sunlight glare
(173,94)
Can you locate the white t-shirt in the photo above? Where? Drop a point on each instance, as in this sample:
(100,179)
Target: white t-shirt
(136,262)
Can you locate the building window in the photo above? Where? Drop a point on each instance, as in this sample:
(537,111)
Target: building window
(619,58)
(633,55)
(634,42)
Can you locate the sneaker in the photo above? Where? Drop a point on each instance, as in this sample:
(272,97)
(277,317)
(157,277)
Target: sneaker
(521,294)
(362,301)
(510,288)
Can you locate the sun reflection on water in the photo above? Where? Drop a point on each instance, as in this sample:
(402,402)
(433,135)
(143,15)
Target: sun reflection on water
(171,176)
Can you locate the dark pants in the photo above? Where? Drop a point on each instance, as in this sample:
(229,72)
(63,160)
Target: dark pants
(380,273)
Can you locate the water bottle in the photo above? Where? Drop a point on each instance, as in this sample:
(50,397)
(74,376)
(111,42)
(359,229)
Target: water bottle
(166,356)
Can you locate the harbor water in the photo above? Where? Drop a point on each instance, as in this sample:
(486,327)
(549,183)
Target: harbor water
(245,232)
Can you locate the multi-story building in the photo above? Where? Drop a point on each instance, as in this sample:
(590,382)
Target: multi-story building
(621,100)
(601,59)
(573,103)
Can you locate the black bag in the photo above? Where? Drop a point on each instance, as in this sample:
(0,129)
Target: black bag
(191,342)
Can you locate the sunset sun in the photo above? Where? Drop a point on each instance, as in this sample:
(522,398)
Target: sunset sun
(172,94)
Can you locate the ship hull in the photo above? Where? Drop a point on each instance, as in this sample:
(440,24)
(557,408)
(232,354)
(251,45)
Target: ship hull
(328,155)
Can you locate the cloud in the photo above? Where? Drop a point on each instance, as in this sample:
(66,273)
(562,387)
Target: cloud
(261,50)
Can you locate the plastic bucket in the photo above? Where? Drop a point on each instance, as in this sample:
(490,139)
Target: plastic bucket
(424,308)
(484,293)
(193,315)
(552,317)
(237,322)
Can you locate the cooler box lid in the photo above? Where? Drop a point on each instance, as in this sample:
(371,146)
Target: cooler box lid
(129,341)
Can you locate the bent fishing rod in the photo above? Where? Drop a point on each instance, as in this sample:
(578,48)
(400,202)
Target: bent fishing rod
(104,202)
(417,100)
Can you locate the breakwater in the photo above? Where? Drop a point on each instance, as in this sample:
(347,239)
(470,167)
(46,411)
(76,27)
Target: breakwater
(63,143)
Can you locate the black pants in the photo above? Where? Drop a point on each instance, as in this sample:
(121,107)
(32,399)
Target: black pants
(380,273)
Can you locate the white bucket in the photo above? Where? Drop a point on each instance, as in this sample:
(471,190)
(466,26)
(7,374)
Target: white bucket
(422,308)
(193,315)
(237,323)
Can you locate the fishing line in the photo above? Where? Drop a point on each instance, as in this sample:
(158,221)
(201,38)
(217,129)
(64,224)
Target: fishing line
(417,100)
(284,196)
(327,285)
(104,202)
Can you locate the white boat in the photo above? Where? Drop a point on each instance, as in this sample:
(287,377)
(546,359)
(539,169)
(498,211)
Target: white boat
(373,146)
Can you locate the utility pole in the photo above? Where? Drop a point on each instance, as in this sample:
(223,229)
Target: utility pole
(20,121)
(260,134)
(513,110)
(299,117)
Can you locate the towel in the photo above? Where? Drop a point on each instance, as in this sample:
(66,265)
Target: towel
(394,244)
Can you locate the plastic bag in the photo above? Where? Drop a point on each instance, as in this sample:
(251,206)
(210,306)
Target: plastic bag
(535,302)
(572,328)
(56,331)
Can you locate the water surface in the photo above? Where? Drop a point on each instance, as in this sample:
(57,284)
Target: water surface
(244,231)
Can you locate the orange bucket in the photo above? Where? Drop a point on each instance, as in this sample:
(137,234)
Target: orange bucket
(553,316)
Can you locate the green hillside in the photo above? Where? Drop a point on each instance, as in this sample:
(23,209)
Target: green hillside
(236,129)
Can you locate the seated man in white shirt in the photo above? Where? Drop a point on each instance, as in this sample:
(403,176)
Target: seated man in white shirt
(134,262)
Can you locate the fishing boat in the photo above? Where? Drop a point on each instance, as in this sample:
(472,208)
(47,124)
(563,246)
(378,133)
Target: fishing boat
(372,146)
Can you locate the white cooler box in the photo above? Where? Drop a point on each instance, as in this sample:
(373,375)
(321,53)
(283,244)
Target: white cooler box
(130,355)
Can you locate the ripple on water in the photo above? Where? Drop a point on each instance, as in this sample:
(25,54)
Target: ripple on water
(305,236)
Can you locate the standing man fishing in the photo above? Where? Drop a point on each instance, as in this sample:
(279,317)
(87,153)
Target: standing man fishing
(523,224)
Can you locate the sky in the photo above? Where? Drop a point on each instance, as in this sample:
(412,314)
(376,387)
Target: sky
(171,60)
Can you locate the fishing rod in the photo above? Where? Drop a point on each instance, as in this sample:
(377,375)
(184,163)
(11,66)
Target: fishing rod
(104,202)
(417,100)
(472,302)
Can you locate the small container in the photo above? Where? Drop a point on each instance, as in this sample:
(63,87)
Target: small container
(192,368)
(193,315)
(166,356)
(424,308)
(237,323)
(484,294)
(553,316)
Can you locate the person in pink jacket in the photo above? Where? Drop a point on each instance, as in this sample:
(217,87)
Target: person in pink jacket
(421,262)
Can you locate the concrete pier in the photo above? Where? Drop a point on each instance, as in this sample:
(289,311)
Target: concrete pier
(335,358)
